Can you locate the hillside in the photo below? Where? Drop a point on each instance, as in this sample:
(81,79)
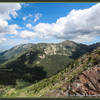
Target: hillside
(79,78)
(49,70)
(33,62)
(83,80)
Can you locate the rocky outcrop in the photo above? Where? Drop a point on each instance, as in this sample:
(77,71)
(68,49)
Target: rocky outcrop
(50,50)
(42,56)
(88,83)
(57,50)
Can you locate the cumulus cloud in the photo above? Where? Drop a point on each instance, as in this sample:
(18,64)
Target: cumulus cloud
(12,29)
(79,25)
(7,11)
(37,17)
(27,34)
(85,38)
(3,25)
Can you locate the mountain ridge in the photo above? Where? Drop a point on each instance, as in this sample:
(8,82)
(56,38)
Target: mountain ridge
(59,85)
(31,64)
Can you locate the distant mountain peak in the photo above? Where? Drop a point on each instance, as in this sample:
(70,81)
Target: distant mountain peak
(69,43)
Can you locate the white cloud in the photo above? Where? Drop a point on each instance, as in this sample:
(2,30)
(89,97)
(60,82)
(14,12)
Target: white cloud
(97,27)
(27,34)
(2,40)
(6,11)
(26,17)
(79,25)
(29,26)
(37,17)
(12,29)
(3,25)
(86,38)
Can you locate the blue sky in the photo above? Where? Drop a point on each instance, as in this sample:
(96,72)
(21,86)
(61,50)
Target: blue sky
(50,11)
(48,22)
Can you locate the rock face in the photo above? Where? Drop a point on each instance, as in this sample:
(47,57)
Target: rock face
(56,50)
(51,50)
(88,83)
(42,56)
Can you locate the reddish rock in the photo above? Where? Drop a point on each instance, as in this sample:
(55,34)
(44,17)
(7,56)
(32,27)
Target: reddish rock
(87,83)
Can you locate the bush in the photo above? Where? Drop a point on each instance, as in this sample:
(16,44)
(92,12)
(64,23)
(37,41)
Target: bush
(95,61)
(89,59)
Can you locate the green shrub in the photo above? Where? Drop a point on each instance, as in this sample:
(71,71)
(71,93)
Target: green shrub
(89,59)
(95,61)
